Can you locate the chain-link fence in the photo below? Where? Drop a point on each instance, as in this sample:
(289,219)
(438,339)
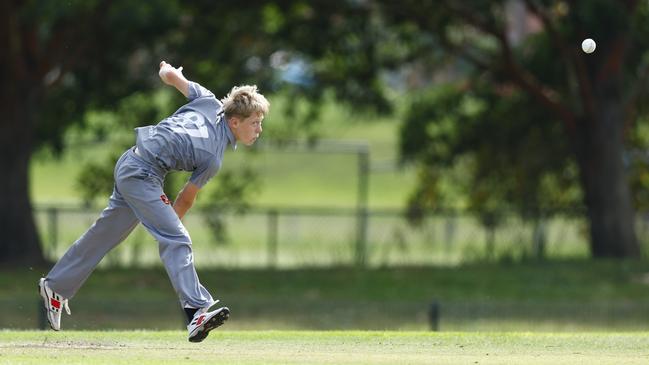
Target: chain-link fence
(292,237)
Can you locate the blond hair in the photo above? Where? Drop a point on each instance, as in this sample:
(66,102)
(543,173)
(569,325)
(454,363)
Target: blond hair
(243,101)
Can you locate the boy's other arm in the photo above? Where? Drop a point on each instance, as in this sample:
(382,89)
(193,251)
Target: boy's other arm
(174,77)
(185,199)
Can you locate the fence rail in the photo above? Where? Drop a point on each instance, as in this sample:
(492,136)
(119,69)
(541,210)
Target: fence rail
(297,236)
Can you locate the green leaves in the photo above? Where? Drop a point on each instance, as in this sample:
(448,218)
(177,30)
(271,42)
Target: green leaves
(512,160)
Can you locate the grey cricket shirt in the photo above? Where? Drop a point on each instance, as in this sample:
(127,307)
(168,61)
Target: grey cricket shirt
(193,138)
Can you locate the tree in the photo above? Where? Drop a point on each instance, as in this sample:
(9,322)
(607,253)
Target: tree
(594,97)
(61,60)
(58,60)
(588,102)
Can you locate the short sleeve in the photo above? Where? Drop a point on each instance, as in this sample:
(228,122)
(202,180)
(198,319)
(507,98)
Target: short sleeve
(204,173)
(197,91)
(203,101)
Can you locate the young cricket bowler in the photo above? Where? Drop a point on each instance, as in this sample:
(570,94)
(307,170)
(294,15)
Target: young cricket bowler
(193,138)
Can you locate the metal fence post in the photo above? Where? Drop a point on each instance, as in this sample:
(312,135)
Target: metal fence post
(539,239)
(433,316)
(490,241)
(361,206)
(53,229)
(273,218)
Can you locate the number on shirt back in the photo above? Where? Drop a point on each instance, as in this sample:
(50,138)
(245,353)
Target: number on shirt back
(191,123)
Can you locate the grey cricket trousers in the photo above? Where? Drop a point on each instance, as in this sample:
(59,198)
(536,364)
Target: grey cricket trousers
(137,197)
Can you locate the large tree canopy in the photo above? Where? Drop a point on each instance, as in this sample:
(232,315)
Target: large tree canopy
(62,59)
(518,110)
(58,60)
(540,105)
(524,108)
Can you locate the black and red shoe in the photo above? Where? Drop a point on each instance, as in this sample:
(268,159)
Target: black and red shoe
(203,322)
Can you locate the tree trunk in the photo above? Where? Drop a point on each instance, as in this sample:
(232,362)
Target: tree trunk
(19,242)
(607,197)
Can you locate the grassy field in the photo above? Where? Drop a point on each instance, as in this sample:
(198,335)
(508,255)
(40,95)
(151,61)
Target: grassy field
(293,179)
(353,347)
(538,297)
(321,240)
(302,179)
(296,179)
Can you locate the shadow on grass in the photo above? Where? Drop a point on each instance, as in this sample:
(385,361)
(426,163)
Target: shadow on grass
(551,296)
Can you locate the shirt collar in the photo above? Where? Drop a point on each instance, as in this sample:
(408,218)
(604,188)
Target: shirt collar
(228,132)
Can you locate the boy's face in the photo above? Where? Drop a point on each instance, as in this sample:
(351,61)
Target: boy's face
(246,130)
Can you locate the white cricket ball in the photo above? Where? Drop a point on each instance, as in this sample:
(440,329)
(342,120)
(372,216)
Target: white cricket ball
(588,45)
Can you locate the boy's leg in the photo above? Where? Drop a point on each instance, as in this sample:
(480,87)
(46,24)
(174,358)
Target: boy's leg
(116,222)
(143,192)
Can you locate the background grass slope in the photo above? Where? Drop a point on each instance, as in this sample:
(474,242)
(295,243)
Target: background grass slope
(551,296)
(287,178)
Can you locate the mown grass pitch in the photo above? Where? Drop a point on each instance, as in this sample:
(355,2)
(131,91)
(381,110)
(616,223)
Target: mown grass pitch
(330,347)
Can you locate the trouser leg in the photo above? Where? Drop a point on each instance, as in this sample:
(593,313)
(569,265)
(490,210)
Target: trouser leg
(116,222)
(143,193)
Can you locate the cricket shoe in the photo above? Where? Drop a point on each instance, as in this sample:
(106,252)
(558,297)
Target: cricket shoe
(204,321)
(53,304)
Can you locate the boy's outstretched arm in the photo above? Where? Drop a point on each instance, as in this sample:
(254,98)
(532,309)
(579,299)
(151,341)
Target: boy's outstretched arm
(174,77)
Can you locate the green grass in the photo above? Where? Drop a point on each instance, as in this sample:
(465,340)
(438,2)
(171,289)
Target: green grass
(555,296)
(354,347)
(287,178)
(320,240)
(293,179)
